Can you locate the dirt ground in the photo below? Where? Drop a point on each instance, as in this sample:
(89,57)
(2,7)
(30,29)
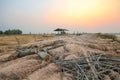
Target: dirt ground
(31,67)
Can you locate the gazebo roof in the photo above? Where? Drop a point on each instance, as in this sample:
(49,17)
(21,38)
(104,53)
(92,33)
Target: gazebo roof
(59,29)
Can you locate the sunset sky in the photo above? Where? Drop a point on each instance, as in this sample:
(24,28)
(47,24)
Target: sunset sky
(39,16)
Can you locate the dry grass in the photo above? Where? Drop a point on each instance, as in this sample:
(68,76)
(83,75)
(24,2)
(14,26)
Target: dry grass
(23,39)
(9,42)
(108,36)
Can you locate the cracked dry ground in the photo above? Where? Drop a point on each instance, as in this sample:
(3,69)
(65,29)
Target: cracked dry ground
(31,67)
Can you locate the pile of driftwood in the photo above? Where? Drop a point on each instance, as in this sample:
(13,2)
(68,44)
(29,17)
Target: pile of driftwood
(41,50)
(88,68)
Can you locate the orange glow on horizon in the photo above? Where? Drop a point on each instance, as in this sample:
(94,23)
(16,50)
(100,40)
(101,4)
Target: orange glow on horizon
(84,13)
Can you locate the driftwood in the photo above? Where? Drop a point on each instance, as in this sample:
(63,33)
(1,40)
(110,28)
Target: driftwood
(80,68)
(19,54)
(24,51)
(44,54)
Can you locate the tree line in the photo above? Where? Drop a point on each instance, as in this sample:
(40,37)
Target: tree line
(11,31)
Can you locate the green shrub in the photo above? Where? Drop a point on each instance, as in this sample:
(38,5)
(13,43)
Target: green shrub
(13,31)
(1,32)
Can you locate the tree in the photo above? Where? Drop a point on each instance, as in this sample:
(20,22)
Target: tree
(18,31)
(1,32)
(13,31)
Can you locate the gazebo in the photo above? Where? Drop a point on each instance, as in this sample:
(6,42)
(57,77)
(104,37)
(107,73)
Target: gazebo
(61,31)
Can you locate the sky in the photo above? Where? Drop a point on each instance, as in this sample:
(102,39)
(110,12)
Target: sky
(43,16)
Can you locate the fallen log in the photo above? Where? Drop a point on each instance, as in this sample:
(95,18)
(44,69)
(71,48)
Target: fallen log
(45,56)
(24,51)
(21,53)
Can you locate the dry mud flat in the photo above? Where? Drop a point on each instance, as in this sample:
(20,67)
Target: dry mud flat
(31,67)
